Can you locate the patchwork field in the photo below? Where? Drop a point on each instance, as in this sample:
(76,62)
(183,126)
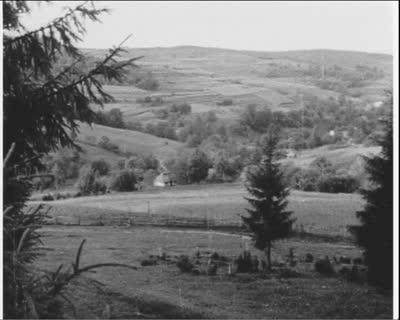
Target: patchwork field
(205,76)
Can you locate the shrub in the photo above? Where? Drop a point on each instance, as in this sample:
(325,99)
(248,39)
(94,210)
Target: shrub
(244,262)
(134,125)
(309,258)
(324,267)
(212,269)
(337,183)
(225,102)
(148,262)
(89,183)
(286,273)
(125,180)
(101,167)
(182,109)
(198,166)
(184,264)
(48,197)
(112,118)
(105,143)
(64,164)
(148,83)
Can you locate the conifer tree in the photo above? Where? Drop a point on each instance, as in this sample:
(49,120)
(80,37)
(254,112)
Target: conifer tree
(375,234)
(268,218)
(43,103)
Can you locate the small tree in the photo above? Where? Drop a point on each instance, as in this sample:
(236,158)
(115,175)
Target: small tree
(269,220)
(90,183)
(124,181)
(101,166)
(375,234)
(198,166)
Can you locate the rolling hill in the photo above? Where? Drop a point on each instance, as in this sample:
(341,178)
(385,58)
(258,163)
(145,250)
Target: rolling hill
(204,77)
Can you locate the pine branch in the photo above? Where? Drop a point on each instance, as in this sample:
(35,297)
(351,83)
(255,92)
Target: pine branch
(110,72)
(60,20)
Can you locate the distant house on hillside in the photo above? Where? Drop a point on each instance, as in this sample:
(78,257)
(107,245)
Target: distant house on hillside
(164,179)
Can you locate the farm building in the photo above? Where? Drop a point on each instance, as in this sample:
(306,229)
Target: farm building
(164,179)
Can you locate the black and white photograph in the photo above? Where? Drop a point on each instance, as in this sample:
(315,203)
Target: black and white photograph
(199,160)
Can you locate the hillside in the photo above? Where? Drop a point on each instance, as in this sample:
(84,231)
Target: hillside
(342,157)
(127,141)
(204,77)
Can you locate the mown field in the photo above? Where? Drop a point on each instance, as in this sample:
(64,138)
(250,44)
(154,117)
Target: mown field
(318,213)
(162,291)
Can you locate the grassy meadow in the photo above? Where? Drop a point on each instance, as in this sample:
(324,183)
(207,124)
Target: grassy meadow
(318,213)
(162,291)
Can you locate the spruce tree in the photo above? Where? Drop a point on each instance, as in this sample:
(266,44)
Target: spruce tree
(375,234)
(43,103)
(268,218)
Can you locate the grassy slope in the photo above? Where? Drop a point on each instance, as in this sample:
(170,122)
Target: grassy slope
(205,76)
(132,141)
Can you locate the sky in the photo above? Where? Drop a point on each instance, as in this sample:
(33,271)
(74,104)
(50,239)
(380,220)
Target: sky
(264,26)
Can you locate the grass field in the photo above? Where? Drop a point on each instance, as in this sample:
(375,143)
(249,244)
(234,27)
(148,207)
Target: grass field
(164,292)
(132,141)
(318,213)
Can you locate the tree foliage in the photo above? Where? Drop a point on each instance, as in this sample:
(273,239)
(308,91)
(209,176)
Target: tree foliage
(375,234)
(198,166)
(41,104)
(42,107)
(268,218)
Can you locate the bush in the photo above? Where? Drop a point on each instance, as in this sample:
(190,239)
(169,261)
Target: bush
(148,83)
(148,262)
(48,197)
(337,183)
(184,264)
(64,164)
(182,109)
(105,143)
(286,273)
(101,167)
(309,258)
(225,102)
(112,118)
(244,263)
(198,166)
(212,269)
(124,181)
(324,267)
(90,183)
